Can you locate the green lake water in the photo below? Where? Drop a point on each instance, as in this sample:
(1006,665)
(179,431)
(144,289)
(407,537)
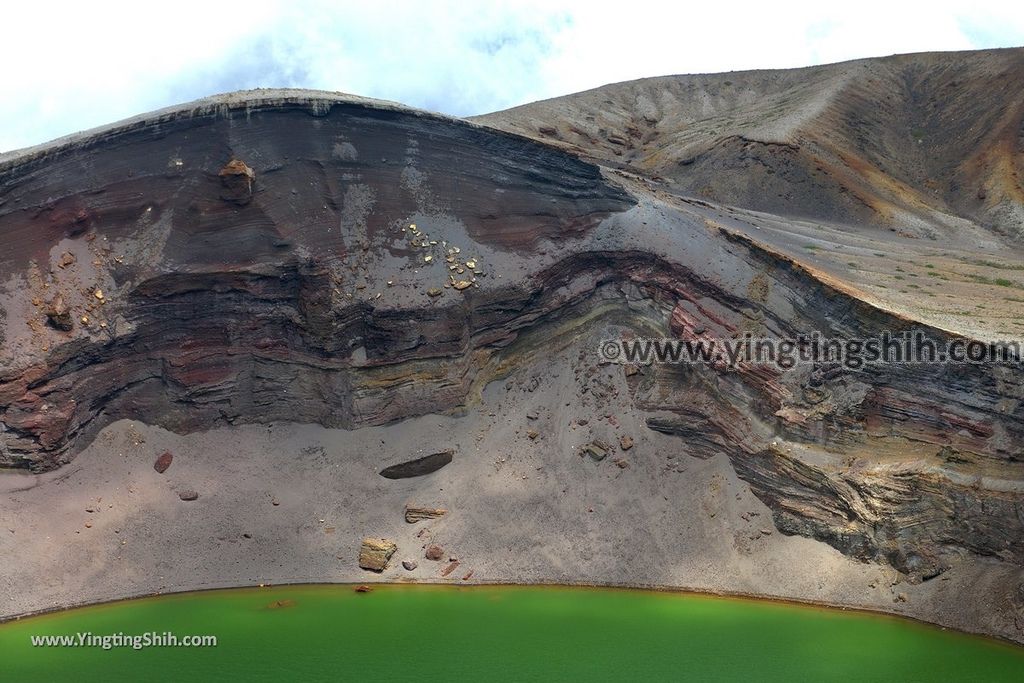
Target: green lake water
(331,633)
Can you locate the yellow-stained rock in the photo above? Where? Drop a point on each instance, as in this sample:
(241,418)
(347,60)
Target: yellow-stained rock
(374,553)
(415,514)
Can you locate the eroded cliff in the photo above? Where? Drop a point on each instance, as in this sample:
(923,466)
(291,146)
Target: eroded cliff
(301,257)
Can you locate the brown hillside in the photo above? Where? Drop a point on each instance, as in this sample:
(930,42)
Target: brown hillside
(914,143)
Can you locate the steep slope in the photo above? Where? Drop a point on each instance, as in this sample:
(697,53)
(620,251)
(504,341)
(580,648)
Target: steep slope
(275,257)
(184,273)
(914,143)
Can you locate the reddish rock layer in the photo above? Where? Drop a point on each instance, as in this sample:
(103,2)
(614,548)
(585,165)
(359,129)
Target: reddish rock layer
(376,263)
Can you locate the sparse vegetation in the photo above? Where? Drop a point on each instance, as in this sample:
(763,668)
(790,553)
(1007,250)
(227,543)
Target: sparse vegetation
(999,281)
(996,264)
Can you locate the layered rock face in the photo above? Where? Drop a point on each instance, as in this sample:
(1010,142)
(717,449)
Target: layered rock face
(206,291)
(279,256)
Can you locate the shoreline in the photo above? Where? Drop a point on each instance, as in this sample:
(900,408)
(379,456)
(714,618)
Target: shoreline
(519,515)
(448,585)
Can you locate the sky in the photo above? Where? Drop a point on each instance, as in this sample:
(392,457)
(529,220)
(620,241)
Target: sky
(76,65)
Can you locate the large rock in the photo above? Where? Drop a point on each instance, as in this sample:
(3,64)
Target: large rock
(419,466)
(596,450)
(374,553)
(163,462)
(58,314)
(236,180)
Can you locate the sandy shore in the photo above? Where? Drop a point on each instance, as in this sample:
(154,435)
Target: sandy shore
(290,503)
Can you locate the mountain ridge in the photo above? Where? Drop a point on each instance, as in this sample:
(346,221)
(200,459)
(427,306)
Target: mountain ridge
(908,141)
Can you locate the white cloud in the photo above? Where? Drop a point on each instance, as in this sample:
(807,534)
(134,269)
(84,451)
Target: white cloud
(79,65)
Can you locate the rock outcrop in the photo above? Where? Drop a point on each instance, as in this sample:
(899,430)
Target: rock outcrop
(236,179)
(283,256)
(208,305)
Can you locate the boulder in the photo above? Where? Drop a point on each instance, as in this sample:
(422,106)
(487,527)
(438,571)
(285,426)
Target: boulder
(419,466)
(58,315)
(434,553)
(374,553)
(188,495)
(163,461)
(236,180)
(596,450)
